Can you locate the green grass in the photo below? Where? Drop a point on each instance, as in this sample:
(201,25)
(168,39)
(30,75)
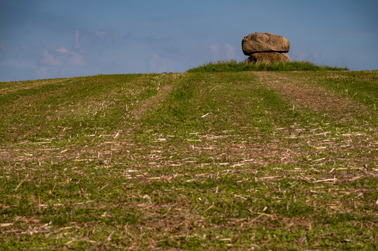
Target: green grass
(234,66)
(228,160)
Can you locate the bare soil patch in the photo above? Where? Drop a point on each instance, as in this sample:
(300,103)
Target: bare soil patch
(163,91)
(145,105)
(313,97)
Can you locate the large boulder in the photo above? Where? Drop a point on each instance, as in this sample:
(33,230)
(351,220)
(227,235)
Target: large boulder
(264,42)
(267,57)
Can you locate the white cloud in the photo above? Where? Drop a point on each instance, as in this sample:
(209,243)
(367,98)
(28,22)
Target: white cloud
(100,34)
(230,51)
(313,56)
(50,59)
(77,39)
(62,50)
(296,55)
(76,59)
(157,65)
(62,57)
(223,52)
(95,41)
(214,50)
(40,72)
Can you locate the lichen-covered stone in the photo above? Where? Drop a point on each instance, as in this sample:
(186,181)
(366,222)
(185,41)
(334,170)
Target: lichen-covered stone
(264,42)
(268,57)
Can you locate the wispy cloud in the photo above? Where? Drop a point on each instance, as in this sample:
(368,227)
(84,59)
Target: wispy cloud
(49,59)
(76,59)
(221,52)
(76,44)
(62,56)
(230,51)
(314,56)
(157,65)
(96,40)
(40,72)
(62,50)
(214,51)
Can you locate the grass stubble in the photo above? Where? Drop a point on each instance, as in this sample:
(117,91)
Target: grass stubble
(231,160)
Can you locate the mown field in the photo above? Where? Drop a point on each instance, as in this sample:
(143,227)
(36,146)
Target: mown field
(215,161)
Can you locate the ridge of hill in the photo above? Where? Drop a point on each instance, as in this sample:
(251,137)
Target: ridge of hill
(244,160)
(234,66)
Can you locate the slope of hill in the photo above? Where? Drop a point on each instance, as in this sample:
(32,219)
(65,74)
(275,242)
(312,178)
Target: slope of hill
(245,160)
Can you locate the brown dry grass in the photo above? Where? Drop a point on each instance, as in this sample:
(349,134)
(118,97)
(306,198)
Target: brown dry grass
(300,93)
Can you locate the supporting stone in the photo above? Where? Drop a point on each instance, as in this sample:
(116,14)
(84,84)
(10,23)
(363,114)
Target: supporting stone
(268,57)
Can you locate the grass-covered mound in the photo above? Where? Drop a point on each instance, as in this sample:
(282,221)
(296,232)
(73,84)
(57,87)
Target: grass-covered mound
(234,66)
(191,161)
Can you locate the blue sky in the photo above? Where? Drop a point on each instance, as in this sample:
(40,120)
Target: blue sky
(54,38)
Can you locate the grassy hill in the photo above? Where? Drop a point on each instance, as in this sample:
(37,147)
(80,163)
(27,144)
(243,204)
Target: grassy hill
(197,160)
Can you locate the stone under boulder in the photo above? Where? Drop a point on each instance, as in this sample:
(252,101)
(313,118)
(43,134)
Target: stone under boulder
(267,57)
(264,42)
